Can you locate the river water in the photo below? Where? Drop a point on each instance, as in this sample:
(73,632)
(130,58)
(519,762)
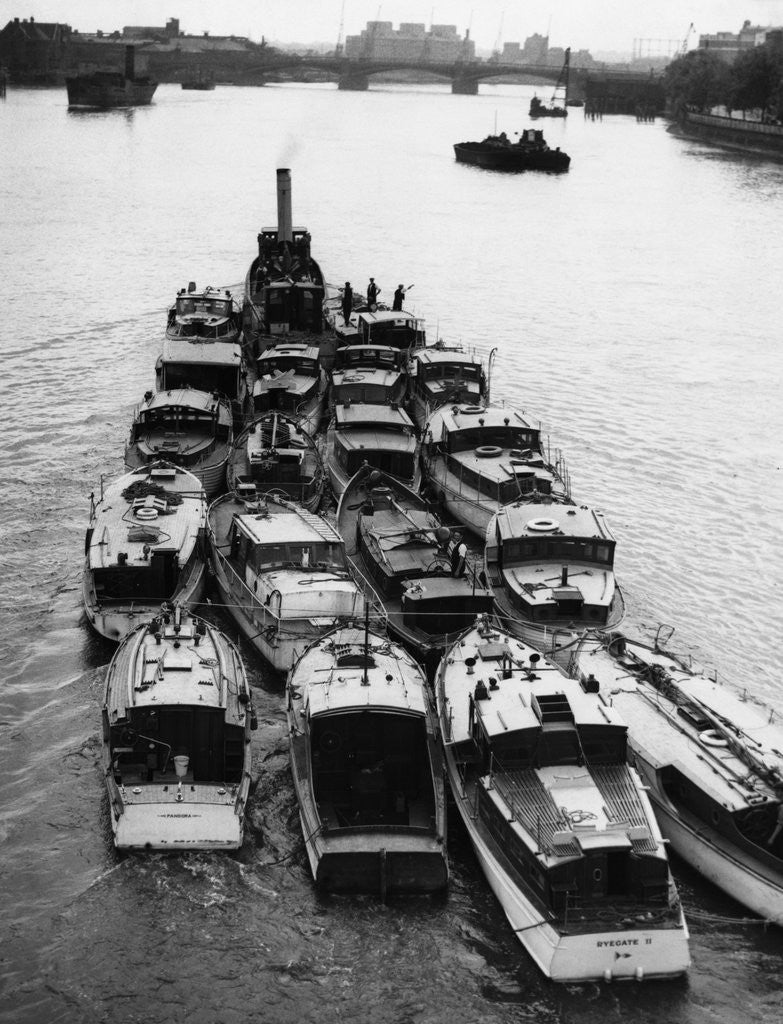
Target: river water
(635,306)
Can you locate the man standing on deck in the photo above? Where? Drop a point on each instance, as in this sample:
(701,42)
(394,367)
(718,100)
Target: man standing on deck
(372,294)
(347,302)
(399,295)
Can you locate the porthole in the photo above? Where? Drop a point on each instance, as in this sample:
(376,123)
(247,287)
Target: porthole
(597,875)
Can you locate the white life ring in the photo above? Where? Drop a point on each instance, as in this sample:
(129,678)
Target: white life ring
(488,451)
(471,410)
(712,738)
(145,512)
(542,525)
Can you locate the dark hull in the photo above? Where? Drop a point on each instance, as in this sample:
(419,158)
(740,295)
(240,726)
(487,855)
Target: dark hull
(512,158)
(201,86)
(89,92)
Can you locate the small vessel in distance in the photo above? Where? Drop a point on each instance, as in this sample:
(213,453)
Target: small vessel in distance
(560,823)
(498,153)
(177,717)
(201,79)
(106,89)
(367,766)
(711,757)
(557,107)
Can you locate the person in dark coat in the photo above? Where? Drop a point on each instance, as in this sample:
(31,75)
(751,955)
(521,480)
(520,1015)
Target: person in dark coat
(399,295)
(372,293)
(347,302)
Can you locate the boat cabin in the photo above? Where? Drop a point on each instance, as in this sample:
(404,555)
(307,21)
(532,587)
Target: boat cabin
(201,365)
(211,313)
(396,328)
(300,358)
(181,423)
(490,452)
(553,784)
(555,561)
(289,376)
(441,375)
(371,374)
(279,455)
(176,713)
(381,435)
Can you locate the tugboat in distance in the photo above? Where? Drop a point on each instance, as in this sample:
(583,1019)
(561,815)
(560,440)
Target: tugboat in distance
(498,153)
(102,90)
(559,102)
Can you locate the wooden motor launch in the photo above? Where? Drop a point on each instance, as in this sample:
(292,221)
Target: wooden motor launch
(561,824)
(367,766)
(144,547)
(177,716)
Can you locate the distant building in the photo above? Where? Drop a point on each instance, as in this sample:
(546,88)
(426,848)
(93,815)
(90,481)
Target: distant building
(728,45)
(410,42)
(33,50)
(169,31)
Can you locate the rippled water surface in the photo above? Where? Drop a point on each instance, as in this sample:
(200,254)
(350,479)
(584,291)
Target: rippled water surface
(635,306)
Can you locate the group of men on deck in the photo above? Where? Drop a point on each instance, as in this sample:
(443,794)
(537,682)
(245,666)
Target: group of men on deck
(373,291)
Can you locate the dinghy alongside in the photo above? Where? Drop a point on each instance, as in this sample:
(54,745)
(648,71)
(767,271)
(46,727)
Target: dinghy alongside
(177,716)
(367,766)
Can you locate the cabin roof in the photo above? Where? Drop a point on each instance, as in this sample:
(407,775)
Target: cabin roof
(511,706)
(197,350)
(188,398)
(379,375)
(389,316)
(433,355)
(116,528)
(287,526)
(450,418)
(364,414)
(280,350)
(529,520)
(375,440)
(395,681)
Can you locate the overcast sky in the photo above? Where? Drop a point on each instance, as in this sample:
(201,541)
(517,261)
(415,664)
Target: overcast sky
(581,24)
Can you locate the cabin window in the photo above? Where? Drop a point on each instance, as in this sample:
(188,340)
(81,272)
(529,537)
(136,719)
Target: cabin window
(202,377)
(558,746)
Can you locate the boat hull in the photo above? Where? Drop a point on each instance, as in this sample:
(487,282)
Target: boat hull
(511,158)
(188,825)
(702,848)
(642,953)
(101,96)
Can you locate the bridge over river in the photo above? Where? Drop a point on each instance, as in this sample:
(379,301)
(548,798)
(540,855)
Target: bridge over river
(612,90)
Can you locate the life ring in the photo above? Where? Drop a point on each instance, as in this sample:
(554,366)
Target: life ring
(488,451)
(145,512)
(471,410)
(712,738)
(542,525)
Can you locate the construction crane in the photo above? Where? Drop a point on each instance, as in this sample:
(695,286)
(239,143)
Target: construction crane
(339,48)
(499,40)
(686,40)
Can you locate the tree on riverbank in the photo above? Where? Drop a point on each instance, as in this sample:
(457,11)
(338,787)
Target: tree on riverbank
(754,81)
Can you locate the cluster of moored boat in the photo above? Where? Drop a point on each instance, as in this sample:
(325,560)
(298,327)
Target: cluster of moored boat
(408,661)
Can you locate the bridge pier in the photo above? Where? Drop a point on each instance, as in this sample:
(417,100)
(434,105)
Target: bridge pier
(464,87)
(354,81)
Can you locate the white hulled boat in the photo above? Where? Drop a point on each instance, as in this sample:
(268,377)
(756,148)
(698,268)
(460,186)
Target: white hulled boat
(282,574)
(144,547)
(381,436)
(561,825)
(440,375)
(193,429)
(274,453)
(291,380)
(478,459)
(552,569)
(367,766)
(712,759)
(177,717)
